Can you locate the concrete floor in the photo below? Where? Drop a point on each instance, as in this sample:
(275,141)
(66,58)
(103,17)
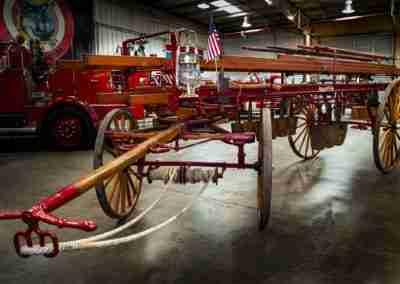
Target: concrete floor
(334,220)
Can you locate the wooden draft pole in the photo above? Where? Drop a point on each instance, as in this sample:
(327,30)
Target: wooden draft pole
(41,210)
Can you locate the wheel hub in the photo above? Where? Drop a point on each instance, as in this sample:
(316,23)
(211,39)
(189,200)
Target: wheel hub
(68,131)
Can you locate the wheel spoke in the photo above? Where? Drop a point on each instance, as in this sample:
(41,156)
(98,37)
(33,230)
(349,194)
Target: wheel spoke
(387,114)
(397,108)
(132,172)
(118,194)
(114,188)
(302,141)
(123,123)
(382,137)
(299,135)
(397,134)
(116,124)
(385,152)
(129,191)
(393,149)
(382,149)
(304,123)
(123,191)
(109,181)
(390,149)
(111,151)
(392,158)
(135,188)
(307,143)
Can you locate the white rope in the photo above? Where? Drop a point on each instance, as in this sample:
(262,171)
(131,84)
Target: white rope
(192,175)
(133,237)
(95,241)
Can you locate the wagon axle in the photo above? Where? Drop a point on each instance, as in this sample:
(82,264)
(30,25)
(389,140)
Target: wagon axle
(183,174)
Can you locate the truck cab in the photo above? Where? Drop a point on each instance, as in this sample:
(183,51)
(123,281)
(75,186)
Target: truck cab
(33,105)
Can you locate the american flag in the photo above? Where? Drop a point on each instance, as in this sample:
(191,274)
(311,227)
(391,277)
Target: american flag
(160,77)
(169,78)
(214,43)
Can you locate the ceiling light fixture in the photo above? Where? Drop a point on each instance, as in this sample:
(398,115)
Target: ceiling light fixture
(269,2)
(203,6)
(348,9)
(246,23)
(220,3)
(231,9)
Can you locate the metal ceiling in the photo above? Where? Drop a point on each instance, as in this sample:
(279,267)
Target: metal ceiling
(261,14)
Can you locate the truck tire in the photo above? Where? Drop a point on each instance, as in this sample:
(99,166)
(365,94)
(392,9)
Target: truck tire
(68,128)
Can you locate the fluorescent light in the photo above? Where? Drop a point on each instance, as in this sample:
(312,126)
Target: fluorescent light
(223,5)
(252,31)
(231,9)
(238,15)
(220,3)
(203,6)
(269,2)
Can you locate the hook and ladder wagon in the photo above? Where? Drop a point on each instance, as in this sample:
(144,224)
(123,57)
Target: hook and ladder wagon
(310,115)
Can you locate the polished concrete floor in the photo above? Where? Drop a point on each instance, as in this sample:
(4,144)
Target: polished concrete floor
(334,220)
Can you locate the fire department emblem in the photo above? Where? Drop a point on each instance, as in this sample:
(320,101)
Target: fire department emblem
(49,21)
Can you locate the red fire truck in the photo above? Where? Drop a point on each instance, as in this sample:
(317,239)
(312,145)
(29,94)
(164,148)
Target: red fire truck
(64,104)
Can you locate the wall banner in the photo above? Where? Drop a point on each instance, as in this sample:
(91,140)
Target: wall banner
(49,21)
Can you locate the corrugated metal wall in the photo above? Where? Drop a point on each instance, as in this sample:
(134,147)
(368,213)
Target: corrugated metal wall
(114,23)
(381,43)
(376,43)
(232,46)
(108,40)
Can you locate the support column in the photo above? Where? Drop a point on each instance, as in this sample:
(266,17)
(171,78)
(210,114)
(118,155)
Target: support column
(307,42)
(396,48)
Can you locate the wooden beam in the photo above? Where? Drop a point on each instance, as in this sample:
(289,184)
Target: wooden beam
(297,64)
(110,62)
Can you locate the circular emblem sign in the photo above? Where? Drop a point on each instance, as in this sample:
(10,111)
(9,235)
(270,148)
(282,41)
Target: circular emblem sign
(49,21)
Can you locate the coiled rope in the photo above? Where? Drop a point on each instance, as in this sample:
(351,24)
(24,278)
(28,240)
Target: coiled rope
(169,176)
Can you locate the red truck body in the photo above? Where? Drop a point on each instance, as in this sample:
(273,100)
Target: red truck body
(66,107)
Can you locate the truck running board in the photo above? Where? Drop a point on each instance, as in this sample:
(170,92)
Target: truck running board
(17,132)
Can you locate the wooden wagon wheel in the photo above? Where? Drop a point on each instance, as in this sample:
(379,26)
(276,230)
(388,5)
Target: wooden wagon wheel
(300,142)
(386,140)
(119,194)
(264,178)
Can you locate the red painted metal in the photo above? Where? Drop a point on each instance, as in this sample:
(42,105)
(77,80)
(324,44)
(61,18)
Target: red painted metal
(25,238)
(221,165)
(65,87)
(40,213)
